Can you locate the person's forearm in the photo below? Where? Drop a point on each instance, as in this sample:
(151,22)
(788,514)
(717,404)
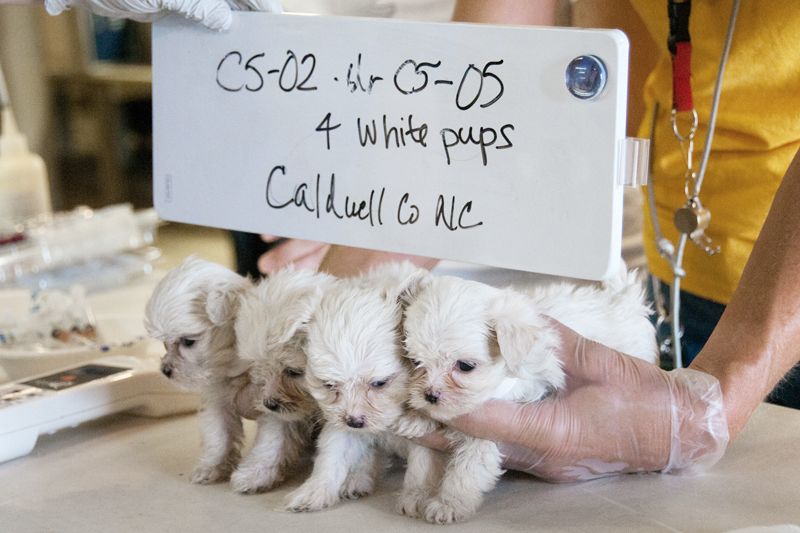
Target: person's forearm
(757,339)
(344,261)
(533,12)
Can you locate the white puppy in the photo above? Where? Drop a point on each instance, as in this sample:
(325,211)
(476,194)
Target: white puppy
(357,373)
(470,342)
(192,311)
(269,333)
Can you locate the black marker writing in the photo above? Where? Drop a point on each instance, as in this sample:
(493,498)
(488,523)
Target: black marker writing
(462,97)
(354,83)
(408,83)
(227,56)
(394,136)
(484,137)
(447,218)
(480,85)
(291,70)
(325,126)
(411,209)
(294,75)
(369,209)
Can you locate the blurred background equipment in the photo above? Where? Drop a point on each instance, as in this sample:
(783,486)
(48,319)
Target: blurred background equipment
(82,95)
(73,286)
(24,189)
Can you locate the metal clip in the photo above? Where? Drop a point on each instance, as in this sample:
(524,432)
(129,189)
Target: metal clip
(634,162)
(690,186)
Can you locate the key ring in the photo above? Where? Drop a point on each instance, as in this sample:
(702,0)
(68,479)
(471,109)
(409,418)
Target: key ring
(692,127)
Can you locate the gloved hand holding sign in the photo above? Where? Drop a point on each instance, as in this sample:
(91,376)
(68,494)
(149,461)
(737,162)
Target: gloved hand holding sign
(214,14)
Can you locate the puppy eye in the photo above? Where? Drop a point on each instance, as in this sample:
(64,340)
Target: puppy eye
(379,383)
(329,385)
(187,343)
(417,363)
(465,366)
(294,372)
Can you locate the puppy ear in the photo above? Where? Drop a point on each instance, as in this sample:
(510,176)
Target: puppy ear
(222,303)
(300,337)
(409,287)
(298,314)
(526,341)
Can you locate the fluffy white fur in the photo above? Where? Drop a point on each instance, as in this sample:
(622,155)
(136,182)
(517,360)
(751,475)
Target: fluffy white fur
(470,342)
(269,332)
(192,311)
(357,374)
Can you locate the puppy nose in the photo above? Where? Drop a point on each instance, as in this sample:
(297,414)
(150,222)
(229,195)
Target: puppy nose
(166,370)
(432,396)
(354,421)
(271,404)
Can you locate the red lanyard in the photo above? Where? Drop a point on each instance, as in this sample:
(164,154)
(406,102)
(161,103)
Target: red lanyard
(680,46)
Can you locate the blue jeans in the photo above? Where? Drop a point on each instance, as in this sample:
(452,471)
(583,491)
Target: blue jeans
(699,317)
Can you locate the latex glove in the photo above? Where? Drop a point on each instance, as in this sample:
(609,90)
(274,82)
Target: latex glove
(616,414)
(214,14)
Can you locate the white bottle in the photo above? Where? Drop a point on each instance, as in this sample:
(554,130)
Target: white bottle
(24,188)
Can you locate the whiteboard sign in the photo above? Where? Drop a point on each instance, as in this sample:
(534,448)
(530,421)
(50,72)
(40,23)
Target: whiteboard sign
(455,141)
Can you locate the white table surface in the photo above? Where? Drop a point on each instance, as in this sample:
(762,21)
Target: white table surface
(125,473)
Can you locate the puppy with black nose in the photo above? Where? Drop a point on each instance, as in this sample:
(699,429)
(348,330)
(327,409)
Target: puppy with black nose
(192,312)
(357,374)
(270,331)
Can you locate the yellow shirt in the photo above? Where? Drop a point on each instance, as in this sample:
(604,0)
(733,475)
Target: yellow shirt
(757,132)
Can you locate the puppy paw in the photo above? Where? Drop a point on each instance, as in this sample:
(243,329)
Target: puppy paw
(206,474)
(311,497)
(357,485)
(440,512)
(255,479)
(412,503)
(413,425)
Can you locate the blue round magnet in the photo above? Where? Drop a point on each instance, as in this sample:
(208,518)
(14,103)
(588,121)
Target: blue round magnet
(586,77)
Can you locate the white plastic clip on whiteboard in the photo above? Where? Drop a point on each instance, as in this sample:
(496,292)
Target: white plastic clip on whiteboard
(634,162)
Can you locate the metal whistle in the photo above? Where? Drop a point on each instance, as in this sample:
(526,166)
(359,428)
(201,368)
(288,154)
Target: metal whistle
(693,219)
